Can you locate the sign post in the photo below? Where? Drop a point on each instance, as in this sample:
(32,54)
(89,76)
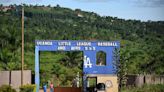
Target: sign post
(89,48)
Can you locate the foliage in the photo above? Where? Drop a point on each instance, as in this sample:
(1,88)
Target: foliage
(146,88)
(28,88)
(7,88)
(141,48)
(120,66)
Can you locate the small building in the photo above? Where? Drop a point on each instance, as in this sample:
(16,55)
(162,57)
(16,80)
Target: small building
(6,8)
(80,15)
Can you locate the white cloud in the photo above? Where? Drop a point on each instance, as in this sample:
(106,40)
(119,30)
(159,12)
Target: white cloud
(148,3)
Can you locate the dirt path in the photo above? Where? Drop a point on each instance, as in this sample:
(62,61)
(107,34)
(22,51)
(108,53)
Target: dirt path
(41,90)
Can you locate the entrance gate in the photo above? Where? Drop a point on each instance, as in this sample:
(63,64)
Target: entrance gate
(89,48)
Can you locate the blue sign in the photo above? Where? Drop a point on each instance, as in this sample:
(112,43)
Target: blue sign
(89,49)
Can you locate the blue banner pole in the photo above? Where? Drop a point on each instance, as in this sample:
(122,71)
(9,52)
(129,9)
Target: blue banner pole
(37,79)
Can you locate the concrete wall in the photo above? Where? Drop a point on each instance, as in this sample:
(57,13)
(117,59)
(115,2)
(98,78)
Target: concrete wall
(112,79)
(15,79)
(4,78)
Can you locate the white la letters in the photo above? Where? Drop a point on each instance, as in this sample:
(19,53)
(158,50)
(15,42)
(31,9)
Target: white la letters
(87,62)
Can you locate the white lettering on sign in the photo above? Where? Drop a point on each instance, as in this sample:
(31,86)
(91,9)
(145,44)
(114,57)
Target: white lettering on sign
(61,48)
(87,62)
(90,48)
(64,43)
(44,43)
(107,44)
(83,43)
(75,48)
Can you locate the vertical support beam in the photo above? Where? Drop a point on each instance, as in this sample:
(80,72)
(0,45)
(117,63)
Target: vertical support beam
(84,76)
(22,45)
(84,82)
(37,78)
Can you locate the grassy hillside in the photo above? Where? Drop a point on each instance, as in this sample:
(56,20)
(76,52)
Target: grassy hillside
(142,43)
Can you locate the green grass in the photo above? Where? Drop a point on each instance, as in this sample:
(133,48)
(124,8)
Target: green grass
(146,88)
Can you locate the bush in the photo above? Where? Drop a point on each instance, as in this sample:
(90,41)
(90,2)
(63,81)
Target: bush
(28,88)
(146,88)
(7,88)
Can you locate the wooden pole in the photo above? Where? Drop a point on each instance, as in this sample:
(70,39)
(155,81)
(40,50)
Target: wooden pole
(22,45)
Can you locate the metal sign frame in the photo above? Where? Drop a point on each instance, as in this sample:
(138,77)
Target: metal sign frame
(89,49)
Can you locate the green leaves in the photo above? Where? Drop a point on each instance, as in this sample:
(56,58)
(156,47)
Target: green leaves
(8,60)
(141,49)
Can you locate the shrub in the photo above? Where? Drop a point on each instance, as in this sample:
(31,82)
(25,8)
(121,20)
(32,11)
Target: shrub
(146,88)
(27,88)
(7,88)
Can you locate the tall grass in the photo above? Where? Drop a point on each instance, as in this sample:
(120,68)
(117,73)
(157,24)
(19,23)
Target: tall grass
(145,88)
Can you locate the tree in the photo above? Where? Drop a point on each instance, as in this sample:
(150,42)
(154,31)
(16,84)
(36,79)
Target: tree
(9,60)
(72,59)
(120,66)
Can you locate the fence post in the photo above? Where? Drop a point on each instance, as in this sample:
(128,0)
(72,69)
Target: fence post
(139,80)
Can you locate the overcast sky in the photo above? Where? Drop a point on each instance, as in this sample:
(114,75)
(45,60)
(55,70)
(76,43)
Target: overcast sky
(127,9)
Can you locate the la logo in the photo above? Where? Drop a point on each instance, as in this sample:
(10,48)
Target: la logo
(87,62)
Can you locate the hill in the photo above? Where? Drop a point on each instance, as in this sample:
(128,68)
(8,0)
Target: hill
(142,43)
